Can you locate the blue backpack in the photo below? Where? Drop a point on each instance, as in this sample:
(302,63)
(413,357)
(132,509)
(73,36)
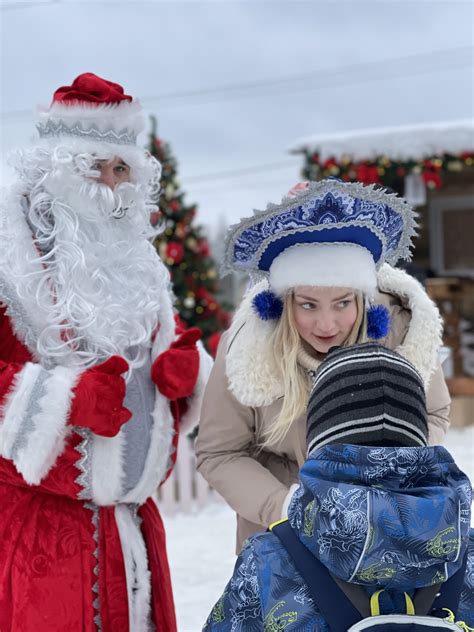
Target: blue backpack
(337,600)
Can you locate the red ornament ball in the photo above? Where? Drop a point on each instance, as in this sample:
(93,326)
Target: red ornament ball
(175,251)
(203,247)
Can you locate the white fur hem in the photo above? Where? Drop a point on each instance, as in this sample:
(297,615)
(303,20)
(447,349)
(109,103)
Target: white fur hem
(136,568)
(107,468)
(324,265)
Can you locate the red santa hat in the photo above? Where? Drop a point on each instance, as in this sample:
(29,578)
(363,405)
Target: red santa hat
(95,116)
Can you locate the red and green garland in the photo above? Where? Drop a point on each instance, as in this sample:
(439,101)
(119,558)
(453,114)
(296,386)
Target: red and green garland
(383,170)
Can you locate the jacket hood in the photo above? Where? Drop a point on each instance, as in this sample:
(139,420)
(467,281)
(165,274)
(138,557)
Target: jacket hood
(255,381)
(394,517)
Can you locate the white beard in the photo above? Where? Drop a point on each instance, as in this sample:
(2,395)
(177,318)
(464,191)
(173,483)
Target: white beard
(104,273)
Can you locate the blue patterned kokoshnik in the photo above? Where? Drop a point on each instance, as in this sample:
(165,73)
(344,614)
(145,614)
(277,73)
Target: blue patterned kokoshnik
(329,211)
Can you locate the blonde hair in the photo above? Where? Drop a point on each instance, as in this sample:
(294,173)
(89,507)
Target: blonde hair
(285,343)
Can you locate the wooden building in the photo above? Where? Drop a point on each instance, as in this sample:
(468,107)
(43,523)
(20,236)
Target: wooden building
(432,166)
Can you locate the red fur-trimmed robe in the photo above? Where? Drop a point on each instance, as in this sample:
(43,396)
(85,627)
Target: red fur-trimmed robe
(77,552)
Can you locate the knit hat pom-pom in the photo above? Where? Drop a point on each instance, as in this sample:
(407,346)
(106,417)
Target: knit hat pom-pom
(267,305)
(378,322)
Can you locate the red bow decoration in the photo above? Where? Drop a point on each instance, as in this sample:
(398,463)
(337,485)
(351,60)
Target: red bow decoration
(89,88)
(175,371)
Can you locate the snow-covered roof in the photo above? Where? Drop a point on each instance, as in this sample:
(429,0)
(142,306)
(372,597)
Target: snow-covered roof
(407,142)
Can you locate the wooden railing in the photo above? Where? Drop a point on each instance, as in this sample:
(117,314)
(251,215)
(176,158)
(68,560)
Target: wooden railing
(185,490)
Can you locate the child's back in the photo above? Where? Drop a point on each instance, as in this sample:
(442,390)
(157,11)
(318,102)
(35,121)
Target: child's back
(376,517)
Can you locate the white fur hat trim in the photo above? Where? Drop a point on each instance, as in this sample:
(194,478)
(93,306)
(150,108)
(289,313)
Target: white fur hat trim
(324,265)
(104,122)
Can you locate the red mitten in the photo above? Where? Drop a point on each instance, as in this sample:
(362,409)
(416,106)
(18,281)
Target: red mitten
(98,398)
(175,371)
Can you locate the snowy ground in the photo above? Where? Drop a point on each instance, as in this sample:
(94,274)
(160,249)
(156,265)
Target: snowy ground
(201,546)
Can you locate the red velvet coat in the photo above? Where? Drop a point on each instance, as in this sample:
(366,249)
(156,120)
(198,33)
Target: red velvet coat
(79,550)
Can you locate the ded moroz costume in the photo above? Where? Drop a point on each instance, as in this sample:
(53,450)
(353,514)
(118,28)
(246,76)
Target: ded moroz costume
(95,379)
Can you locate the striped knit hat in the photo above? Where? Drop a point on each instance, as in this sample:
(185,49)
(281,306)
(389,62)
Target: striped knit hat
(367,395)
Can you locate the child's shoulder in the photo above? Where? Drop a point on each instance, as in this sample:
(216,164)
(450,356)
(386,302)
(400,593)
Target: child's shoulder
(267,549)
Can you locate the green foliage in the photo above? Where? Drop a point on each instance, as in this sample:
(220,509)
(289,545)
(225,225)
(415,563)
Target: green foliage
(185,250)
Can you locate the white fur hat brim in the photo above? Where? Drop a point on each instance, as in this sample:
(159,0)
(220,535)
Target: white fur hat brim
(324,265)
(116,123)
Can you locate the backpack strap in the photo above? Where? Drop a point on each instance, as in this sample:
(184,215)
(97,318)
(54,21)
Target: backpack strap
(356,595)
(424,597)
(450,593)
(326,594)
(329,592)
(422,600)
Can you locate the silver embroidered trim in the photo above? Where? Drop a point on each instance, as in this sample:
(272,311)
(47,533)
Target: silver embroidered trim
(322,187)
(52,130)
(33,407)
(84,464)
(95,588)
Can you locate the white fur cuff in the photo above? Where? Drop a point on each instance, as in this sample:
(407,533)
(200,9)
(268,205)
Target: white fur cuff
(36,414)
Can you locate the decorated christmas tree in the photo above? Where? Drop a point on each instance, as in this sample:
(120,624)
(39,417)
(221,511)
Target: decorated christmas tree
(184,248)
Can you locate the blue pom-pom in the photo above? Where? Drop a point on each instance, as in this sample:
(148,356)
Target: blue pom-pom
(267,305)
(378,322)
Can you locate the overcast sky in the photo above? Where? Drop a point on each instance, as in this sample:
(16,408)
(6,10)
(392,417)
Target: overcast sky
(364,64)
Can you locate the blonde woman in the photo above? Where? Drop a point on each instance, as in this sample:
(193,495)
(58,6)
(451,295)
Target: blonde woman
(322,265)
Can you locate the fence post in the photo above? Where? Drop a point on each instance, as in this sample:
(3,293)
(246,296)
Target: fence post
(185,488)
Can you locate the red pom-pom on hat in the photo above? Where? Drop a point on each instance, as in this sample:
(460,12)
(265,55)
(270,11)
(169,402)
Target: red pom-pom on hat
(89,88)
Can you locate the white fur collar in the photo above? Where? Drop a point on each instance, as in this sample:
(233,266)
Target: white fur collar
(254,380)
(425,334)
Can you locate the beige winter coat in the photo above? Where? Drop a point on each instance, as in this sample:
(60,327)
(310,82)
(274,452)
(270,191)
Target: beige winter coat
(243,397)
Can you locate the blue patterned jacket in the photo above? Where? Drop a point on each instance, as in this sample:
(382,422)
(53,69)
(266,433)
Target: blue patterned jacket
(392,518)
